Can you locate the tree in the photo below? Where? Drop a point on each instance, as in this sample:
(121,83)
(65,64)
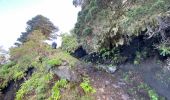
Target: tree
(41,23)
(34,47)
(77,2)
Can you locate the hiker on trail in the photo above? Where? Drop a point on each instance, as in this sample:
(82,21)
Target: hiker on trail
(54,45)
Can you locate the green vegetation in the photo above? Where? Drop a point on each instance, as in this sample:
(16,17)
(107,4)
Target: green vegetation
(140,88)
(85,85)
(36,54)
(87,31)
(164,49)
(106,27)
(54,62)
(69,42)
(138,58)
(56,89)
(38,83)
(153,95)
(116,20)
(64,56)
(112,54)
(40,23)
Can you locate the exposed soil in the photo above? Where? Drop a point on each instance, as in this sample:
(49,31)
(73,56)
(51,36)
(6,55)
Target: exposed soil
(113,86)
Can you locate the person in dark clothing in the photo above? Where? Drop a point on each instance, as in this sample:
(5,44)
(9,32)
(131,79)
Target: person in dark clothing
(54,45)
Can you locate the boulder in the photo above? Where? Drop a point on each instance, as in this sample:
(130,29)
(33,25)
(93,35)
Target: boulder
(65,72)
(110,69)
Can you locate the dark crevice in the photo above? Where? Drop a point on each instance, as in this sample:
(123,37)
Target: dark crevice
(9,92)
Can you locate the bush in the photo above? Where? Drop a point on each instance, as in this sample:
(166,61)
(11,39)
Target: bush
(85,85)
(8,65)
(88,17)
(38,83)
(164,49)
(87,31)
(56,89)
(69,43)
(18,75)
(54,62)
(153,95)
(10,71)
(93,10)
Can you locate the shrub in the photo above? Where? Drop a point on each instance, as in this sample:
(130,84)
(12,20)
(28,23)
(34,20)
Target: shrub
(10,64)
(69,43)
(85,85)
(67,57)
(38,83)
(153,95)
(164,49)
(87,31)
(56,89)
(88,17)
(54,62)
(18,75)
(93,10)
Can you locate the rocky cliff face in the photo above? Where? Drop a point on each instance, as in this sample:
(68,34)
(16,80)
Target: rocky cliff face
(111,23)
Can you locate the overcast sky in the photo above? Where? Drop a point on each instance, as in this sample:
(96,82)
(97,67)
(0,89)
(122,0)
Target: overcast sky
(15,13)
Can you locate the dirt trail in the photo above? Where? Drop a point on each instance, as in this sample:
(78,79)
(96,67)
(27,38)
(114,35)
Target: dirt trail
(108,86)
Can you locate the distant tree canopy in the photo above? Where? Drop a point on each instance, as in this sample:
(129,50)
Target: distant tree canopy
(41,23)
(77,2)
